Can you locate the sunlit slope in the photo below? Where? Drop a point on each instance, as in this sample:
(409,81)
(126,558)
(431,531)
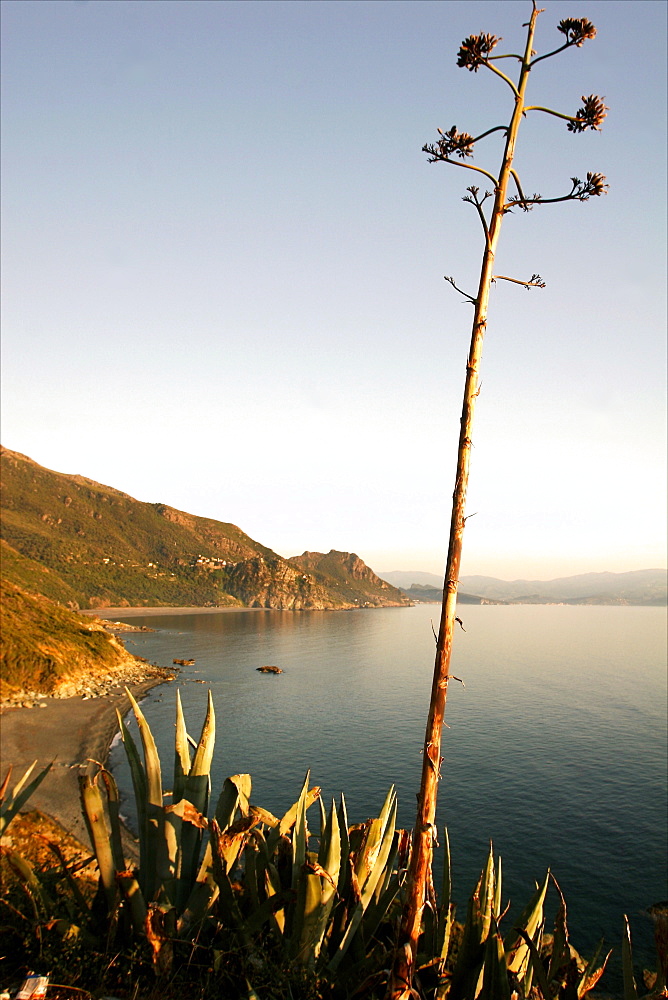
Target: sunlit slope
(45,646)
(89,545)
(353,579)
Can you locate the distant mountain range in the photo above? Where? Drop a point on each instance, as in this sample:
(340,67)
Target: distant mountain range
(640,587)
(86,545)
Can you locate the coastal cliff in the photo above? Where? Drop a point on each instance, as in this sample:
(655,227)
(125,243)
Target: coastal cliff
(85,545)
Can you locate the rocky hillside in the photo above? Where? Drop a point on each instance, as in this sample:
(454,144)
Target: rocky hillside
(87,545)
(350,578)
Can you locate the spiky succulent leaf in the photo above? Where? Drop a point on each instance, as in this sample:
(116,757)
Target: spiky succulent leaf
(10,805)
(630,988)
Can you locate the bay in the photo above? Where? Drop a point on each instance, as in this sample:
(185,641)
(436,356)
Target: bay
(555,748)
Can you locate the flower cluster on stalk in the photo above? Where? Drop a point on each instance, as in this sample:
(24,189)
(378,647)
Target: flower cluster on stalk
(594,185)
(459,143)
(576,29)
(590,115)
(474,51)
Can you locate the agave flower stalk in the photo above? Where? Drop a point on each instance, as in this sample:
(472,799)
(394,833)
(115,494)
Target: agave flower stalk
(491,207)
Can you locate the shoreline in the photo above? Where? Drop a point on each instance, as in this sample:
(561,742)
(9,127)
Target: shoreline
(107,613)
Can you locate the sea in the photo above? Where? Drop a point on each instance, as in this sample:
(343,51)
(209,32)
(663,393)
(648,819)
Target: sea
(555,747)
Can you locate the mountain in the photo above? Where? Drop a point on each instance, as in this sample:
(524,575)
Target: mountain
(87,545)
(640,587)
(434,595)
(352,578)
(405,578)
(644,586)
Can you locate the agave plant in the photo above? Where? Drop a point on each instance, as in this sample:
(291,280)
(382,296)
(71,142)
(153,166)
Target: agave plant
(269,889)
(659,981)
(12,801)
(478,963)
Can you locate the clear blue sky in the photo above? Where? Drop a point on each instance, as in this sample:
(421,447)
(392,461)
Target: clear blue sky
(223,275)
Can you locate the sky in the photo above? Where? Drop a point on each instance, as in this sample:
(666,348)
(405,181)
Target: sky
(223,262)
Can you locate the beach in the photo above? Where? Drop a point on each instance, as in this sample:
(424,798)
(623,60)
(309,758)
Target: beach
(71,732)
(110,613)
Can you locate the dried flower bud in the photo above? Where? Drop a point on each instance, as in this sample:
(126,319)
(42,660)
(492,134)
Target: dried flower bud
(576,29)
(594,185)
(591,115)
(474,51)
(453,141)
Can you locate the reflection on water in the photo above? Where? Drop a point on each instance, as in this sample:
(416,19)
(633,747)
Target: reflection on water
(556,746)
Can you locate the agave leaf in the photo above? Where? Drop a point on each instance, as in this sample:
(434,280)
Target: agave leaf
(382,854)
(181,752)
(138,774)
(202,897)
(497,891)
(227,900)
(495,984)
(285,824)
(300,835)
(529,920)
(113,805)
(537,965)
(19,794)
(158,858)
(196,785)
(72,883)
(37,892)
(7,778)
(169,858)
(132,893)
(151,758)
(235,794)
(446,885)
(328,867)
(232,840)
(345,868)
(376,912)
(487,894)
(306,920)
(630,988)
(93,810)
(561,952)
(261,815)
(591,975)
(471,950)
(323,820)
(272,885)
(201,764)
(447,910)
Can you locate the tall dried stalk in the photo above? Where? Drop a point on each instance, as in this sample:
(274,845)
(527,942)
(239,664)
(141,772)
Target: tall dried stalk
(474,53)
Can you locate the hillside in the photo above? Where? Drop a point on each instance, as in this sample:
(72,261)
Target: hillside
(49,649)
(87,545)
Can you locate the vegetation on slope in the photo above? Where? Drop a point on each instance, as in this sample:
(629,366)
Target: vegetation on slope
(89,545)
(45,645)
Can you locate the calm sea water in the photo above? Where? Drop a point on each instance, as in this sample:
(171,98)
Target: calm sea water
(556,748)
